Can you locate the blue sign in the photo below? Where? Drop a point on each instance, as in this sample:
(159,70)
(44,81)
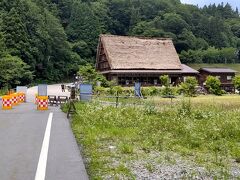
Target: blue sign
(137,89)
(86,91)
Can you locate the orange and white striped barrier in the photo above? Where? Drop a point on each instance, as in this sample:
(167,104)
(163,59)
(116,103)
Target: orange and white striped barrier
(15,99)
(7,102)
(42,103)
(21,97)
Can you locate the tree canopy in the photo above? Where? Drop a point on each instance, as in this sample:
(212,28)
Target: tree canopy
(54,37)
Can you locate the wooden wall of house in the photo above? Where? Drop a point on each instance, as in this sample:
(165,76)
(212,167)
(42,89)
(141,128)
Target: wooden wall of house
(102,62)
(223,77)
(145,79)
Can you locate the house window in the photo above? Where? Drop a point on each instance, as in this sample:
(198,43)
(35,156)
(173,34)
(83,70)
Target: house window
(229,78)
(155,81)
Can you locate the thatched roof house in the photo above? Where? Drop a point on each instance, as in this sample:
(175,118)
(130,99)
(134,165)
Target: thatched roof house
(130,59)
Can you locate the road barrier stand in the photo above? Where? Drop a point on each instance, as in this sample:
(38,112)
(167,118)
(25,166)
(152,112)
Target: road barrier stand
(42,103)
(21,96)
(7,102)
(15,99)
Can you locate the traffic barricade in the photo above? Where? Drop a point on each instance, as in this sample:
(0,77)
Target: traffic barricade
(22,89)
(21,96)
(15,99)
(42,103)
(7,102)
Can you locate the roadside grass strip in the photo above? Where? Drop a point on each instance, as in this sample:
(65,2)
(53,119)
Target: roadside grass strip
(187,139)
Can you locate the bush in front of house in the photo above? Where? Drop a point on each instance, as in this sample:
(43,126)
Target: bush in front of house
(100,90)
(165,81)
(213,85)
(116,90)
(129,91)
(89,75)
(151,91)
(188,88)
(236,82)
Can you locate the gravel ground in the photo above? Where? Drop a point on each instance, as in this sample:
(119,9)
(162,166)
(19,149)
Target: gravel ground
(172,166)
(168,166)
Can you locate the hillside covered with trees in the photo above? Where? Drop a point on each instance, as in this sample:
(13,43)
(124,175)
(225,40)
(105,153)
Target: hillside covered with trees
(49,39)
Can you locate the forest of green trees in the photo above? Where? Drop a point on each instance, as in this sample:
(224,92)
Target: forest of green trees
(49,39)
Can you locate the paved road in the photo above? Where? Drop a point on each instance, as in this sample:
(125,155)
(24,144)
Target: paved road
(22,131)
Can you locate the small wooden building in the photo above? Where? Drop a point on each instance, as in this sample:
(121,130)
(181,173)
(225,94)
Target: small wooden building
(135,59)
(225,75)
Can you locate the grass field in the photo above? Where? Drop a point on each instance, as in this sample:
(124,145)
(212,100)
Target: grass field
(235,67)
(226,101)
(184,138)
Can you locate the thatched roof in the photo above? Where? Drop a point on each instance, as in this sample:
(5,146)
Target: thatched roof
(124,52)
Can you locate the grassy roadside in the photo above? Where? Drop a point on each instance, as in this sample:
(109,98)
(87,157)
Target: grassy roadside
(200,137)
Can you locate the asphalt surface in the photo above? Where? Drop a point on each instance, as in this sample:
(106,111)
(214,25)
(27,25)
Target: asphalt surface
(22,131)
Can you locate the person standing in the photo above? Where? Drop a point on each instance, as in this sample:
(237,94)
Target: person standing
(63,87)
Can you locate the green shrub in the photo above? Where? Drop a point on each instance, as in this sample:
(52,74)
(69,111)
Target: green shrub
(102,79)
(99,90)
(151,91)
(154,91)
(167,90)
(236,82)
(213,85)
(128,91)
(145,91)
(188,88)
(170,91)
(116,90)
(165,80)
(89,75)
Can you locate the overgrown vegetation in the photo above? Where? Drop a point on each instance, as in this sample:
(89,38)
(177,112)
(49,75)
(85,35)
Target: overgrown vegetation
(213,85)
(13,72)
(236,82)
(201,131)
(167,89)
(55,37)
(88,74)
(188,88)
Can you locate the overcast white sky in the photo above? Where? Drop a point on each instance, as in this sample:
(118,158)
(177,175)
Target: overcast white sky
(234,3)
